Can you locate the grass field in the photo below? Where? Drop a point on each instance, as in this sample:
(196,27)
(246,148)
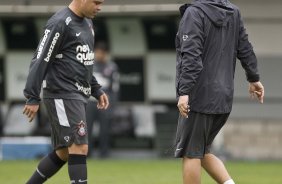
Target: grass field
(143,172)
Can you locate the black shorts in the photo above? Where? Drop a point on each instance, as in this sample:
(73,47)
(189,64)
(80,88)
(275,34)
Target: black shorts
(196,133)
(68,122)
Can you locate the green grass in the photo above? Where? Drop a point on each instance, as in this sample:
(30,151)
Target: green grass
(143,172)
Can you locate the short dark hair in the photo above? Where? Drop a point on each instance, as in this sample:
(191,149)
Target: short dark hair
(101,46)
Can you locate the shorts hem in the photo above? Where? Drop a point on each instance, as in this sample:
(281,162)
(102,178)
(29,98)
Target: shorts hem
(189,156)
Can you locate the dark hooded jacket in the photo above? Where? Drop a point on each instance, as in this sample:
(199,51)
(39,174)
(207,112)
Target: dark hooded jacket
(211,36)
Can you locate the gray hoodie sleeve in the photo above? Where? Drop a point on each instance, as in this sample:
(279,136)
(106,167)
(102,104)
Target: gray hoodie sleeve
(246,55)
(191,37)
(43,57)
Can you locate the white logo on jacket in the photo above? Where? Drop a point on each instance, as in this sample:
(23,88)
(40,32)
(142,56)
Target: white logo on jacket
(185,37)
(55,39)
(85,55)
(47,31)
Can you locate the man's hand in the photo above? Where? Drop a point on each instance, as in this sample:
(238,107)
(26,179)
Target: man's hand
(183,105)
(30,111)
(103,102)
(256,90)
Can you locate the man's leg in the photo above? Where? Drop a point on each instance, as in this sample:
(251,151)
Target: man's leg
(104,134)
(91,113)
(216,169)
(48,166)
(77,163)
(191,171)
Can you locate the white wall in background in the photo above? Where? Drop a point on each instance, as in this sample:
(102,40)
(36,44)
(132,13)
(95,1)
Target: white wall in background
(127,37)
(17,66)
(160,76)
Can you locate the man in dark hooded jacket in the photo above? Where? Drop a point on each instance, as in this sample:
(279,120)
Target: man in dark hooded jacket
(211,36)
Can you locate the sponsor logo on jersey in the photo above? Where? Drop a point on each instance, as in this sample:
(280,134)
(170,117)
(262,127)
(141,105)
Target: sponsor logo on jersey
(84,90)
(47,31)
(81,129)
(85,55)
(68,20)
(55,39)
(59,56)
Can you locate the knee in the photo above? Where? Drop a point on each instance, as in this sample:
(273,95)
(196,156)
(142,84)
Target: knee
(78,149)
(206,157)
(84,149)
(63,154)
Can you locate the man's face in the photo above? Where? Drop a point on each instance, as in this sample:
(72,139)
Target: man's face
(90,8)
(101,55)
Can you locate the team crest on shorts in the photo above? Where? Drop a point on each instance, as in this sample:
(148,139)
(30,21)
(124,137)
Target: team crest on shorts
(67,138)
(81,129)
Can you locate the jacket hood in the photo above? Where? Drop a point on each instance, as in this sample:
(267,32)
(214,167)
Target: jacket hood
(218,11)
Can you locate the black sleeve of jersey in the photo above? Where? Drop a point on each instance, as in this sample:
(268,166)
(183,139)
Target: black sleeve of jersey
(246,55)
(96,90)
(191,41)
(44,55)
